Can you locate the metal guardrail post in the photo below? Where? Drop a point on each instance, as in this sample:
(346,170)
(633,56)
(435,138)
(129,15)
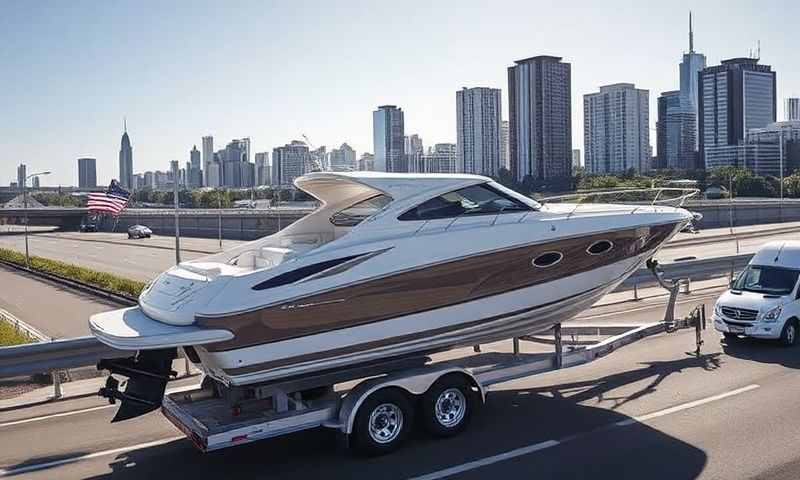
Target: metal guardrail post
(516,345)
(636,291)
(56,376)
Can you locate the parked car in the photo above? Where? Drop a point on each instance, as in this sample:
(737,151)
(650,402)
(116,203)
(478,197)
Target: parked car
(88,227)
(716,192)
(764,300)
(139,231)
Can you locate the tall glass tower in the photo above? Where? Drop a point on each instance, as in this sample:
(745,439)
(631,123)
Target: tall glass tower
(690,68)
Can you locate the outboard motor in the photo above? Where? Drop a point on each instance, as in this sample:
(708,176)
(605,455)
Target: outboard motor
(148,373)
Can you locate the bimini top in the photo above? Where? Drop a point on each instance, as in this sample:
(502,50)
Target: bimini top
(333,187)
(778,254)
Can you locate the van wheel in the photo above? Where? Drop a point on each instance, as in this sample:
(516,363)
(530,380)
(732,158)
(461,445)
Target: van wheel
(447,406)
(383,422)
(730,337)
(789,334)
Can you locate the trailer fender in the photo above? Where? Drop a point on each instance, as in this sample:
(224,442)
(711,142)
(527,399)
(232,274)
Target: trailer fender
(415,382)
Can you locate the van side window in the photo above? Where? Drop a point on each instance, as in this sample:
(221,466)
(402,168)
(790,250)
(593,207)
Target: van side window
(473,200)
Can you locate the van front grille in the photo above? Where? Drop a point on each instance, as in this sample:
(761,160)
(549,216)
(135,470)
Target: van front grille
(743,314)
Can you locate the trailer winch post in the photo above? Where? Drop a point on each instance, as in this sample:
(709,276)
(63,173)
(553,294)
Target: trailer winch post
(559,360)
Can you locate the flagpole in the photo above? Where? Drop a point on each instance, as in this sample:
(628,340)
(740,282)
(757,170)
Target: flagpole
(177,226)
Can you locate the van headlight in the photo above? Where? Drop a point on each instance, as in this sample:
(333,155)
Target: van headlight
(773,314)
(717,310)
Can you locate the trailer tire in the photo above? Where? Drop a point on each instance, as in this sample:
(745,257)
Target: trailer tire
(448,405)
(382,423)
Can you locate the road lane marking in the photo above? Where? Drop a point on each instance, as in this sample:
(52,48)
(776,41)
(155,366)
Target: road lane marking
(645,307)
(54,415)
(64,461)
(465,467)
(86,410)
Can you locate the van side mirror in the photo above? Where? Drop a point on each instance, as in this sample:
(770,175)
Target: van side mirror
(733,281)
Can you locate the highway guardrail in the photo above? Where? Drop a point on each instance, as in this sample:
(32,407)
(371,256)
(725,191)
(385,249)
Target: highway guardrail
(45,357)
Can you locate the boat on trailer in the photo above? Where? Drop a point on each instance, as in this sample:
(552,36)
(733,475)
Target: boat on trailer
(389,267)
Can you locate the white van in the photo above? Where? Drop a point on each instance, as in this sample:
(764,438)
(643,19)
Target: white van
(762,301)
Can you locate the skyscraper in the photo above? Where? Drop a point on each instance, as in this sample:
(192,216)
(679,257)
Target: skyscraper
(22,175)
(792,109)
(675,132)
(690,69)
(540,118)
(414,150)
(194,173)
(289,162)
(87,173)
(125,159)
(208,157)
(478,114)
(388,132)
(735,96)
(576,159)
(366,162)
(616,129)
(504,144)
(263,173)
(442,158)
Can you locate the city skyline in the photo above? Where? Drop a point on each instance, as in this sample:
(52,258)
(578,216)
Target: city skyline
(82,113)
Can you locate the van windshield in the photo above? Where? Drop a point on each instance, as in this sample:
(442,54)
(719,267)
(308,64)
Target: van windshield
(769,280)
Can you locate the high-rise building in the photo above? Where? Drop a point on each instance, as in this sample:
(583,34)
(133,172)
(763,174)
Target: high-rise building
(208,157)
(691,66)
(767,149)
(35,182)
(675,132)
(616,131)
(125,159)
(22,175)
(87,173)
(792,109)
(366,163)
(388,134)
(289,162)
(235,164)
(540,118)
(343,159)
(263,173)
(736,96)
(414,150)
(194,172)
(442,158)
(478,114)
(576,159)
(504,144)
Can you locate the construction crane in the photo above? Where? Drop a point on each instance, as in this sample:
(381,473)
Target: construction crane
(317,164)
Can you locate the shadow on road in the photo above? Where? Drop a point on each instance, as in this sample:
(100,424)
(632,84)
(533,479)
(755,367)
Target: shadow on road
(598,388)
(591,446)
(764,351)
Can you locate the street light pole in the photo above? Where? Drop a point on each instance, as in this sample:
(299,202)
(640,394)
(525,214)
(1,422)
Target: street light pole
(177,225)
(25,208)
(219,218)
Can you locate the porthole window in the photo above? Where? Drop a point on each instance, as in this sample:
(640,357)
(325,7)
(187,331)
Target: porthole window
(547,259)
(600,247)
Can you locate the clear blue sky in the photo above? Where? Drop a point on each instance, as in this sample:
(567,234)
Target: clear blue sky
(273,70)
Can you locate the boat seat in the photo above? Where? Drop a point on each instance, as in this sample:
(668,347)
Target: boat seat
(273,256)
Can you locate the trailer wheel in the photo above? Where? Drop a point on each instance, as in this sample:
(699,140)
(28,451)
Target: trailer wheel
(447,406)
(383,422)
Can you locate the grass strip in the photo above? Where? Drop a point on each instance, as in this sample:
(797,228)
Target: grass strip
(11,336)
(106,281)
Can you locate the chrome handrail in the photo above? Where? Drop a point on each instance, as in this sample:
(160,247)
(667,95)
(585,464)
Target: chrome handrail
(685,193)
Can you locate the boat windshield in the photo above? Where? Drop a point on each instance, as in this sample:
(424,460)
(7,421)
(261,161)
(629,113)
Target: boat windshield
(473,200)
(767,280)
(355,214)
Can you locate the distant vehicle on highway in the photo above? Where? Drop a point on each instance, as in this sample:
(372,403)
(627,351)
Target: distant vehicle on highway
(88,226)
(764,300)
(244,204)
(715,192)
(139,231)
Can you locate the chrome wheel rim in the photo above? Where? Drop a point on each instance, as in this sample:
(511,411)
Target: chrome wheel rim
(385,423)
(451,406)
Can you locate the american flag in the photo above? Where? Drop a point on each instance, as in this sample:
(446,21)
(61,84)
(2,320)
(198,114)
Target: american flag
(113,200)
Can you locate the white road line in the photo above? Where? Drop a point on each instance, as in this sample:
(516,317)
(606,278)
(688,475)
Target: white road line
(86,410)
(465,467)
(64,461)
(644,307)
(54,415)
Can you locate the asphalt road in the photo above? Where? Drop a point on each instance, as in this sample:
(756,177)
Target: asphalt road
(649,410)
(56,311)
(142,259)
